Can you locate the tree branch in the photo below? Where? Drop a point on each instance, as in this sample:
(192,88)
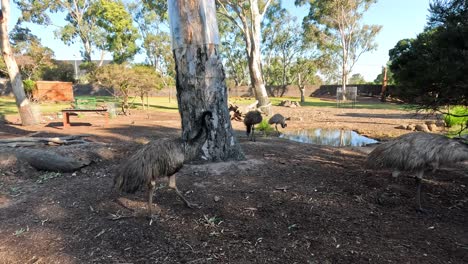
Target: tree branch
(226,14)
(264,9)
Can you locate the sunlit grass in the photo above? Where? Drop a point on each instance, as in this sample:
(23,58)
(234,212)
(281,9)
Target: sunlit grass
(8,106)
(164,104)
(317,102)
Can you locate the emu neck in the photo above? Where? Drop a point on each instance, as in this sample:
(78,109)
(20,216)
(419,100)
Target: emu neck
(192,146)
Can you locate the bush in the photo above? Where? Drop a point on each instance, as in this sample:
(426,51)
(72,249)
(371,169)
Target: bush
(265,127)
(29,86)
(454,121)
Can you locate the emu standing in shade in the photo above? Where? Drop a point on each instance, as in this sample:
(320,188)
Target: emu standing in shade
(250,120)
(417,152)
(159,159)
(278,119)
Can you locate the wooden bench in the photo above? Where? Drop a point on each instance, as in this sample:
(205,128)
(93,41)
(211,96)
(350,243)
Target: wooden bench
(83,105)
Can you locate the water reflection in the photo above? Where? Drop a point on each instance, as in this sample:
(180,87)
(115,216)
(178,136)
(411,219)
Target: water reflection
(330,137)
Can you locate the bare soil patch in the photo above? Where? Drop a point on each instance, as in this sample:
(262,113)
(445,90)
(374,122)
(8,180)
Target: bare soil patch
(287,203)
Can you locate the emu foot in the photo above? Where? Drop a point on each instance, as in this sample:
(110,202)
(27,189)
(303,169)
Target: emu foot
(423,211)
(152,217)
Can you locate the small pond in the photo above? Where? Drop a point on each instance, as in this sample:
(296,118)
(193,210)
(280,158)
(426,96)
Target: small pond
(330,137)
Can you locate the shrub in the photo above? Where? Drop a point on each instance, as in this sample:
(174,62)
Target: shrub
(29,86)
(265,127)
(451,120)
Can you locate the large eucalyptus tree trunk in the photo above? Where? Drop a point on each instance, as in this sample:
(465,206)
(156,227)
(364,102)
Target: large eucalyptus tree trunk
(255,60)
(22,102)
(248,18)
(200,79)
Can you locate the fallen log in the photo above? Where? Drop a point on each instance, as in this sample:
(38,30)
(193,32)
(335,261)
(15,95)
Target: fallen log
(235,112)
(32,141)
(47,160)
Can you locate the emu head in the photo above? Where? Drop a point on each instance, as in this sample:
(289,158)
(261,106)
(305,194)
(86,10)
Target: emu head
(283,125)
(204,124)
(207,120)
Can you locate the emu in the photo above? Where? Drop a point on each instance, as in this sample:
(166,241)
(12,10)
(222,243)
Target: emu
(251,119)
(278,119)
(158,159)
(417,152)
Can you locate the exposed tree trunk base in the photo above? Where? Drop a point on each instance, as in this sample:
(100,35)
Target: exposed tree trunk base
(23,104)
(28,118)
(302,95)
(264,105)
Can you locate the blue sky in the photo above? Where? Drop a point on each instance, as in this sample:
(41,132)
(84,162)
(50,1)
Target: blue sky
(400,19)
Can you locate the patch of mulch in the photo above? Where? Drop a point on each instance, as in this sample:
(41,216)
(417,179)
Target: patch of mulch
(286,203)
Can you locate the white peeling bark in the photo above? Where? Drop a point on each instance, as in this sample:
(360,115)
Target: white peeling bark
(200,79)
(24,106)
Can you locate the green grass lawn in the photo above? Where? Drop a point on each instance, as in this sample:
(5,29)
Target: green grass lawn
(316,102)
(8,106)
(156,103)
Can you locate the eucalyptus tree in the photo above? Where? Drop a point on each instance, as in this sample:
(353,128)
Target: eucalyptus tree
(282,46)
(357,78)
(77,27)
(247,16)
(379,79)
(336,25)
(200,79)
(304,71)
(96,23)
(232,51)
(152,21)
(28,117)
(34,56)
(117,25)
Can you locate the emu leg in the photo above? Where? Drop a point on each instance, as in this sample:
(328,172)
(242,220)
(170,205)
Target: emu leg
(276,127)
(151,188)
(253,133)
(172,184)
(419,177)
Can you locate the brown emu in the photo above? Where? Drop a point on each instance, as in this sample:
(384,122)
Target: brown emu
(250,120)
(278,119)
(417,152)
(158,159)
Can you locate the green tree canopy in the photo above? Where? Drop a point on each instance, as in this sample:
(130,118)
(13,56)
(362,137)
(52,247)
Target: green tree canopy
(32,57)
(126,80)
(117,24)
(105,24)
(432,68)
(151,18)
(336,26)
(357,78)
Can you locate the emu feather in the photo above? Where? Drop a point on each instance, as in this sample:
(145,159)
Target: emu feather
(251,119)
(278,119)
(417,152)
(159,159)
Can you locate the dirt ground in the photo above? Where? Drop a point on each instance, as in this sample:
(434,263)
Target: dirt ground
(287,202)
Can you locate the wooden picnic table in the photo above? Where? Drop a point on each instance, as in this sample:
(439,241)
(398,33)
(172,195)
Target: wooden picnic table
(67,112)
